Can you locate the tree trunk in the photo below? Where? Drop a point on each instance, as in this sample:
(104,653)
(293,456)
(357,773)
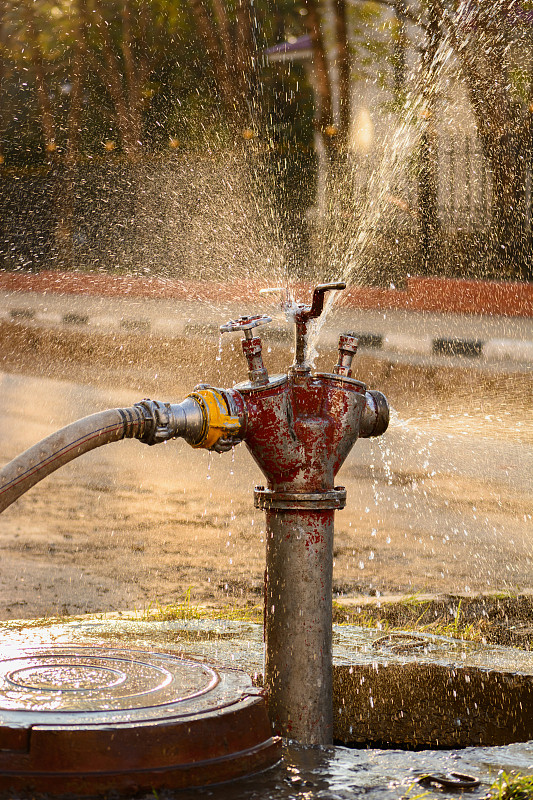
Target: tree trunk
(323,104)
(246,60)
(428,185)
(399,52)
(208,34)
(482,48)
(65,228)
(505,155)
(344,71)
(43,99)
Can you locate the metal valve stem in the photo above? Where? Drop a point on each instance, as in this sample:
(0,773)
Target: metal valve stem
(302,314)
(251,345)
(252,348)
(347,349)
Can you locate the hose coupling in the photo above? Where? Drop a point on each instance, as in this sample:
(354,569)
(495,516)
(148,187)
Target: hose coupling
(162,421)
(223,415)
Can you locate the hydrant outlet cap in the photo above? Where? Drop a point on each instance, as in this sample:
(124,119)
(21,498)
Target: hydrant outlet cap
(382,412)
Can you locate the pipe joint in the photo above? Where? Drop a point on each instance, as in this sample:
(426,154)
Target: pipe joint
(270,500)
(164,421)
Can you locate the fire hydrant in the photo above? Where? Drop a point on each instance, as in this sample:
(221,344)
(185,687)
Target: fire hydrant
(299,428)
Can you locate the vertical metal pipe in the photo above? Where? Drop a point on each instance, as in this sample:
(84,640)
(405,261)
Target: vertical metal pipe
(298,623)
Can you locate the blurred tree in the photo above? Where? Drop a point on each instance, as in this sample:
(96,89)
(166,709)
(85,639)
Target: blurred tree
(94,67)
(345,49)
(3,65)
(120,57)
(493,43)
(230,33)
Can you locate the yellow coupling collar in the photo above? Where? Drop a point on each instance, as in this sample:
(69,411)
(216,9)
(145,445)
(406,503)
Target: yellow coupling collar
(217,421)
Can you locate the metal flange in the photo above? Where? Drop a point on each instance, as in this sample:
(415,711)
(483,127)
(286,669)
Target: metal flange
(270,500)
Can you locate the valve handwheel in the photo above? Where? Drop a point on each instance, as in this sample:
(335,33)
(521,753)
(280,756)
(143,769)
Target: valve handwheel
(245,323)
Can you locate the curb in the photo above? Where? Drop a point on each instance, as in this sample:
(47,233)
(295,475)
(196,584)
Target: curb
(515,350)
(442,295)
(489,350)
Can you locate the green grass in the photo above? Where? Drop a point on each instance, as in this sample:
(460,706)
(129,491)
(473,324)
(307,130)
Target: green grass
(418,796)
(511,787)
(458,629)
(412,620)
(186,610)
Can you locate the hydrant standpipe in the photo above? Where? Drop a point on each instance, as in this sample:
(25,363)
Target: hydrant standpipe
(299,428)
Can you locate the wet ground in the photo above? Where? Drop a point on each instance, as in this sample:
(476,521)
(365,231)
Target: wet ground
(342,774)
(339,773)
(441,504)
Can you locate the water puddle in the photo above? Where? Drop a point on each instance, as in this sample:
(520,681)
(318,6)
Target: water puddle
(339,773)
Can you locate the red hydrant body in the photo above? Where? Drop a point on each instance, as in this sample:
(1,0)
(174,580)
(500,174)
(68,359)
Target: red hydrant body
(300,432)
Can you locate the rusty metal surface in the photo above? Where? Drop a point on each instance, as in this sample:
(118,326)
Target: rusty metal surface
(267,499)
(300,432)
(298,623)
(92,719)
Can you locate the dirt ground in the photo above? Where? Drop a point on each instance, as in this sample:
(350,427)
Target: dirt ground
(440,505)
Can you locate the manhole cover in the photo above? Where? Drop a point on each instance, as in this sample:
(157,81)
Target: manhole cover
(91,719)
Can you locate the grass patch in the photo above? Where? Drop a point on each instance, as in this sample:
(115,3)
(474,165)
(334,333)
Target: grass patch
(473,620)
(410,615)
(186,610)
(511,787)
(502,618)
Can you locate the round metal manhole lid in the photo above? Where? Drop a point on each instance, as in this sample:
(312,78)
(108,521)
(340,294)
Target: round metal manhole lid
(66,681)
(141,719)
